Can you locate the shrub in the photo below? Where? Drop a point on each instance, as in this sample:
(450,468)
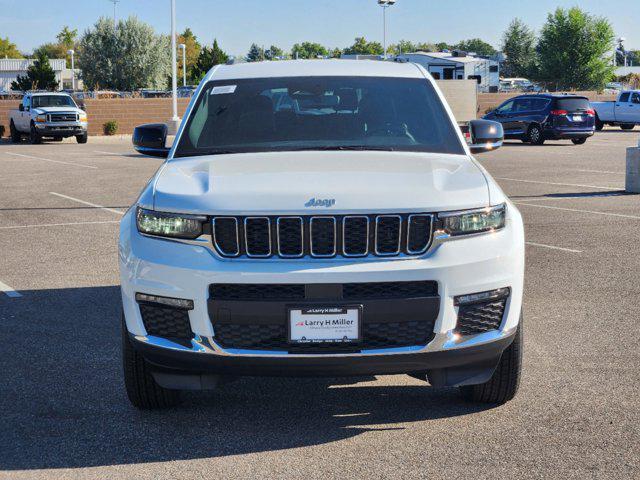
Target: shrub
(110,127)
(1,131)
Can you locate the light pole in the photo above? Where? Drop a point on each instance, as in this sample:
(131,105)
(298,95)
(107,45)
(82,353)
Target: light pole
(385,4)
(115,2)
(73,70)
(174,71)
(183,47)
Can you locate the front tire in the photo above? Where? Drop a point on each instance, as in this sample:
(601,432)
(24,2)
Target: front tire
(627,126)
(15,134)
(579,141)
(143,391)
(82,138)
(534,135)
(504,383)
(34,136)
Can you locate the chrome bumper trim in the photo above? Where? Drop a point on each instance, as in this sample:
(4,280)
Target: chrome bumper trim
(441,342)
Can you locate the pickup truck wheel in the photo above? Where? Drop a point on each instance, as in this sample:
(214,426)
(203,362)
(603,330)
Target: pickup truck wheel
(579,141)
(143,391)
(599,124)
(82,138)
(505,381)
(15,134)
(534,135)
(627,126)
(34,136)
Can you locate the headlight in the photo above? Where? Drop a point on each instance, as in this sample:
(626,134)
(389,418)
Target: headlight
(41,118)
(473,221)
(169,224)
(83,117)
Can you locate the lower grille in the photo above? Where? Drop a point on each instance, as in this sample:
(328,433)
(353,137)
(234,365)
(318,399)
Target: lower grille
(254,316)
(480,317)
(273,337)
(166,322)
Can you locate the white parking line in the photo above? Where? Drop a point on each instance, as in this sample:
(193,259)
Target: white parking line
(593,212)
(552,247)
(13,227)
(8,291)
(600,171)
(106,209)
(49,160)
(108,153)
(557,183)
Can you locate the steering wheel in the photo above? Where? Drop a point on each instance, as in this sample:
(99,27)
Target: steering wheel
(389,129)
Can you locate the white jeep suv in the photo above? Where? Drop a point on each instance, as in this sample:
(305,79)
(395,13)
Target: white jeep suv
(320,218)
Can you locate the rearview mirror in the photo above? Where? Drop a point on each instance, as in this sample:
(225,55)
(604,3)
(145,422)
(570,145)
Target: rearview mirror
(486,135)
(150,139)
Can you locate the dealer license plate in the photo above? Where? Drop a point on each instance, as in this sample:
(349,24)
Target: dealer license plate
(325,324)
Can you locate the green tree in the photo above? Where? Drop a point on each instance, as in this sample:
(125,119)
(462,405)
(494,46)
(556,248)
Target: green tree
(67,37)
(274,53)
(362,47)
(207,59)
(518,46)
(444,46)
(335,53)
(40,76)
(308,50)
(8,49)
(407,46)
(574,51)
(255,54)
(129,58)
(477,46)
(192,52)
(51,50)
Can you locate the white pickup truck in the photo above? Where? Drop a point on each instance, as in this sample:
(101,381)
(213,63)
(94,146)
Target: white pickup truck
(51,115)
(624,111)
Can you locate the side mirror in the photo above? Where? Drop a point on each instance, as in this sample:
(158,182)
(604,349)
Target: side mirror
(83,107)
(21,107)
(486,135)
(150,139)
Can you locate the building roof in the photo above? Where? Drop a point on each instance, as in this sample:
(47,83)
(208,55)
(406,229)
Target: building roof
(304,68)
(21,64)
(447,56)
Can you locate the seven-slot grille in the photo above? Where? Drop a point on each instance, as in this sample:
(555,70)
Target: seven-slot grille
(63,117)
(322,236)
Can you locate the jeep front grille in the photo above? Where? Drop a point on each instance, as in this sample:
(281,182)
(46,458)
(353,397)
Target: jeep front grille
(322,236)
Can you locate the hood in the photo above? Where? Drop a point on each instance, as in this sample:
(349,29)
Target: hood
(340,182)
(56,109)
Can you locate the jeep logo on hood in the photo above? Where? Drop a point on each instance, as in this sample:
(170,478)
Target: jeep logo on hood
(320,202)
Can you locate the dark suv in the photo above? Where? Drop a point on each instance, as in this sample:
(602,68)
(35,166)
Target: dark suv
(536,118)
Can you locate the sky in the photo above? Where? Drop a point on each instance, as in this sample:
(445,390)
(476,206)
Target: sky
(334,23)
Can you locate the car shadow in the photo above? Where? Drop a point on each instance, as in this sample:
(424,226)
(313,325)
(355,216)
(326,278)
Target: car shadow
(64,406)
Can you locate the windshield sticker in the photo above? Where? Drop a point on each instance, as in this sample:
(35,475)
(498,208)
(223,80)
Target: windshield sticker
(223,89)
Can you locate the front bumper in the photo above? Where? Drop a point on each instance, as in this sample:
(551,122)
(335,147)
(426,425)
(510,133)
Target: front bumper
(461,266)
(61,129)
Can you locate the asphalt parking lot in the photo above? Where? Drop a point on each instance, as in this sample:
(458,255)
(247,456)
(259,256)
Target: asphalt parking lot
(63,406)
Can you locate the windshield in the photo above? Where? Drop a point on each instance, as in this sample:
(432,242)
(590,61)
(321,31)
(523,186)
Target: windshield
(51,101)
(318,113)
